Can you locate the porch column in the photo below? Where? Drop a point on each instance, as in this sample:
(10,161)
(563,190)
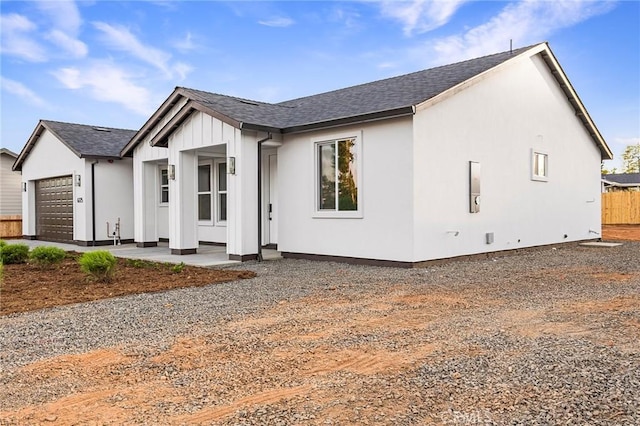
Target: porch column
(145,203)
(242,209)
(183,204)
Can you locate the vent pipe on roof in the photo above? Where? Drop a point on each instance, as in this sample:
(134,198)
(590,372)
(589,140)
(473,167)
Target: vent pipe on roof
(511,46)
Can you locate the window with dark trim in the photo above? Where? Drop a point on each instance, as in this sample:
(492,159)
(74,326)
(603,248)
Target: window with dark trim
(164,185)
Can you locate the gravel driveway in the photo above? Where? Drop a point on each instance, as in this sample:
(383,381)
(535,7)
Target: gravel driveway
(547,337)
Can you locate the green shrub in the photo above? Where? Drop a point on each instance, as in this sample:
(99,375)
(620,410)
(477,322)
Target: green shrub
(45,256)
(178,268)
(140,263)
(100,264)
(2,243)
(14,253)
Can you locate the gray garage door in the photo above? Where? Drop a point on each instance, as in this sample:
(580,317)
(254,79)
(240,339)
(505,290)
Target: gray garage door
(54,209)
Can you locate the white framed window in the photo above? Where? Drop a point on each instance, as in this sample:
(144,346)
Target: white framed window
(221,191)
(338,177)
(164,185)
(205,201)
(539,166)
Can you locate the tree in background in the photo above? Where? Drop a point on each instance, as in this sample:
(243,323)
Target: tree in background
(631,159)
(605,171)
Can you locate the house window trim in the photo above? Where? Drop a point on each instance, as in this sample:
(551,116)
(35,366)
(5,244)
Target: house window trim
(534,175)
(161,168)
(217,192)
(206,222)
(337,214)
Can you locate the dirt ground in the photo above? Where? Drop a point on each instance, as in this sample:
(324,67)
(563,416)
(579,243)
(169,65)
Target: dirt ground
(621,232)
(288,356)
(27,287)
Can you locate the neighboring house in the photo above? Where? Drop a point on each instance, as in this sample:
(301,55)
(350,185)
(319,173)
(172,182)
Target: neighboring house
(490,154)
(621,182)
(77,188)
(10,191)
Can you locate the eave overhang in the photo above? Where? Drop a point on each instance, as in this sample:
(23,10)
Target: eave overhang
(37,132)
(573,98)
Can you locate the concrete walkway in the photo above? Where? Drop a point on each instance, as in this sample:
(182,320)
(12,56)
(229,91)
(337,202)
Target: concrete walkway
(207,256)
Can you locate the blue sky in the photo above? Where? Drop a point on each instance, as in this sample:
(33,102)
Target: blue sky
(112,63)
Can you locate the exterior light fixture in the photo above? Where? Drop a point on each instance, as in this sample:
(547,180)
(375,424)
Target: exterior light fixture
(232,165)
(172,172)
(78,180)
(24,186)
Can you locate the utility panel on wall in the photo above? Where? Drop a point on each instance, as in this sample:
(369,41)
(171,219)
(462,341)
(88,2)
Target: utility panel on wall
(474,187)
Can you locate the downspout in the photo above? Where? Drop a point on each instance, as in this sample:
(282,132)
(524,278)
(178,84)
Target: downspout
(260,142)
(93,202)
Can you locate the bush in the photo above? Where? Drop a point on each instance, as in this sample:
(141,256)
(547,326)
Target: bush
(178,268)
(100,264)
(139,263)
(2,243)
(14,253)
(45,256)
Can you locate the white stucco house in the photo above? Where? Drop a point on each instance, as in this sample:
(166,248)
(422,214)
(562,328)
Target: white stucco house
(76,187)
(490,154)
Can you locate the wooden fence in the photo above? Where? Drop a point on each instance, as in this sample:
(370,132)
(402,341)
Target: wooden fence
(11,226)
(621,208)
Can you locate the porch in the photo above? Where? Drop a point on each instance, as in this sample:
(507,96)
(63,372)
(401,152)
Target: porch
(206,256)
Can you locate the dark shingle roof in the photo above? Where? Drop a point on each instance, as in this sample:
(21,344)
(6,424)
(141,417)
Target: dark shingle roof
(90,141)
(624,178)
(383,95)
(391,97)
(83,140)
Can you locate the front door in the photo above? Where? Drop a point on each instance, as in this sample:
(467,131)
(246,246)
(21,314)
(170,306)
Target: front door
(273,199)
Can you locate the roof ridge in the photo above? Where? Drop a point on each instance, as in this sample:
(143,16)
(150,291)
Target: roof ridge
(86,125)
(453,64)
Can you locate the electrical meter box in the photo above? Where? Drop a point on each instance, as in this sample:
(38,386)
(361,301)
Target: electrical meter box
(474,187)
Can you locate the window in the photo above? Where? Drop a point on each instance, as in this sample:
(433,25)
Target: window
(221,192)
(204,192)
(164,185)
(539,166)
(337,177)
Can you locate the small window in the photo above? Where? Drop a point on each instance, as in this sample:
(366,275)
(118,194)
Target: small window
(539,166)
(164,185)
(337,177)
(204,192)
(221,192)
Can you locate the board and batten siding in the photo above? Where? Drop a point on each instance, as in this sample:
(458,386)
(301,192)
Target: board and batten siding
(11,187)
(200,137)
(498,122)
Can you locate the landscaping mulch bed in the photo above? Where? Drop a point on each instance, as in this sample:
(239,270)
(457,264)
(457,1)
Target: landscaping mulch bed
(27,287)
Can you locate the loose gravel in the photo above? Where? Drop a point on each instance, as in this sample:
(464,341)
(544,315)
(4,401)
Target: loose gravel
(546,337)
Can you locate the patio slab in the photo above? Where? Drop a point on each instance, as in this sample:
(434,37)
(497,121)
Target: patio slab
(206,256)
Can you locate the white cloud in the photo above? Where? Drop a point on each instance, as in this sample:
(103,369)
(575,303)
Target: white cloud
(107,82)
(524,22)
(120,38)
(16,39)
(20,90)
(182,70)
(64,14)
(420,16)
(280,22)
(186,44)
(66,22)
(72,45)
